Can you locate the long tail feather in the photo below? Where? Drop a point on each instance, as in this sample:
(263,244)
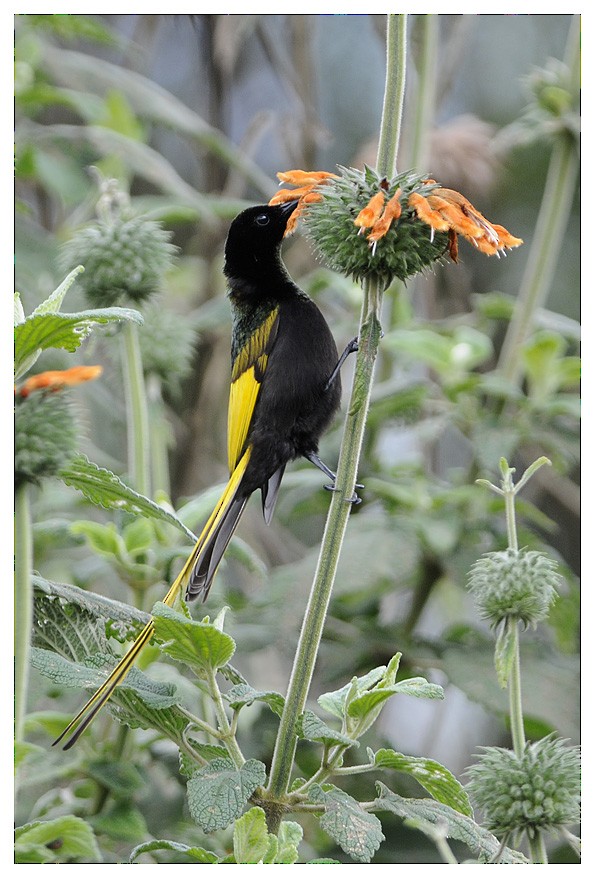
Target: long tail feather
(206,542)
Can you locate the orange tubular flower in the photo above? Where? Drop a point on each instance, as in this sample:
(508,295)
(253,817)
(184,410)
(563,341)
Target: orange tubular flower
(446,210)
(390,214)
(305,178)
(58,379)
(370,214)
(305,193)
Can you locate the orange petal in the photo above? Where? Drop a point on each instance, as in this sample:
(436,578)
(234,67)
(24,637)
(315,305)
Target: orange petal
(284,195)
(426,214)
(56,379)
(505,239)
(391,212)
(312,197)
(456,218)
(371,212)
(485,245)
(305,178)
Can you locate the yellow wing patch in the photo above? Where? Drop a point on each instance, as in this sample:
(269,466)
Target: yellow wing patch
(247,373)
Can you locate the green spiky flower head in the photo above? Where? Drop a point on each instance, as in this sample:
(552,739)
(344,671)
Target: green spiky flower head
(125,255)
(407,247)
(45,436)
(514,584)
(539,791)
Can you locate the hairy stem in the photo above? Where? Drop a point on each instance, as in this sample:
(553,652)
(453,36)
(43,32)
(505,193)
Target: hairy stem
(23,605)
(515,701)
(369,338)
(548,239)
(137,417)
(394,94)
(537,849)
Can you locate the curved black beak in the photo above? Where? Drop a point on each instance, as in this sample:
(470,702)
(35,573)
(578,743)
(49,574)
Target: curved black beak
(288,207)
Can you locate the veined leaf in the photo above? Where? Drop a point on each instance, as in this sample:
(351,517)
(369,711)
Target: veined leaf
(218,792)
(198,644)
(356,831)
(106,489)
(250,837)
(456,825)
(334,702)
(243,694)
(66,331)
(312,728)
(53,303)
(434,777)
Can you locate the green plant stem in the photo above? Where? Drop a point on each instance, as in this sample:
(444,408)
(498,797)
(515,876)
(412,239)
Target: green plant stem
(23,605)
(336,523)
(425,93)
(537,849)
(394,94)
(312,626)
(137,416)
(225,731)
(515,702)
(159,438)
(548,239)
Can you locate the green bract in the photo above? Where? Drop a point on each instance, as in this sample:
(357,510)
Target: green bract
(45,436)
(125,258)
(541,790)
(520,585)
(406,249)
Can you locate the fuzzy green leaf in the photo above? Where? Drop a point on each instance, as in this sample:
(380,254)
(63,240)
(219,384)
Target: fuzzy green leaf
(56,841)
(198,644)
(312,728)
(218,792)
(66,331)
(200,855)
(434,777)
(250,837)
(103,488)
(243,694)
(455,824)
(368,702)
(356,831)
(90,676)
(288,839)
(334,702)
(53,303)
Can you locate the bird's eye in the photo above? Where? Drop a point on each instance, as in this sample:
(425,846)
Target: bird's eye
(262,219)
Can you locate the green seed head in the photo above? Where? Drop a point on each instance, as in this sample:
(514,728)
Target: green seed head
(520,585)
(125,258)
(45,436)
(406,249)
(539,791)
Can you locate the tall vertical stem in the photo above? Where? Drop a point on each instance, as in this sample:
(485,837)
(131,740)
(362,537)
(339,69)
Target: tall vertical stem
(549,232)
(23,604)
(369,338)
(394,94)
(137,417)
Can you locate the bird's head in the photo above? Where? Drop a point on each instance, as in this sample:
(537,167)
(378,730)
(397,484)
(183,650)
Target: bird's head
(255,237)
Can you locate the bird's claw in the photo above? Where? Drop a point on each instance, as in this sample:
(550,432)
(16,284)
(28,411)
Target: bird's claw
(354,497)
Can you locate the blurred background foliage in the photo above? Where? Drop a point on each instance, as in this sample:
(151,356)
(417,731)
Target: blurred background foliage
(194,115)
